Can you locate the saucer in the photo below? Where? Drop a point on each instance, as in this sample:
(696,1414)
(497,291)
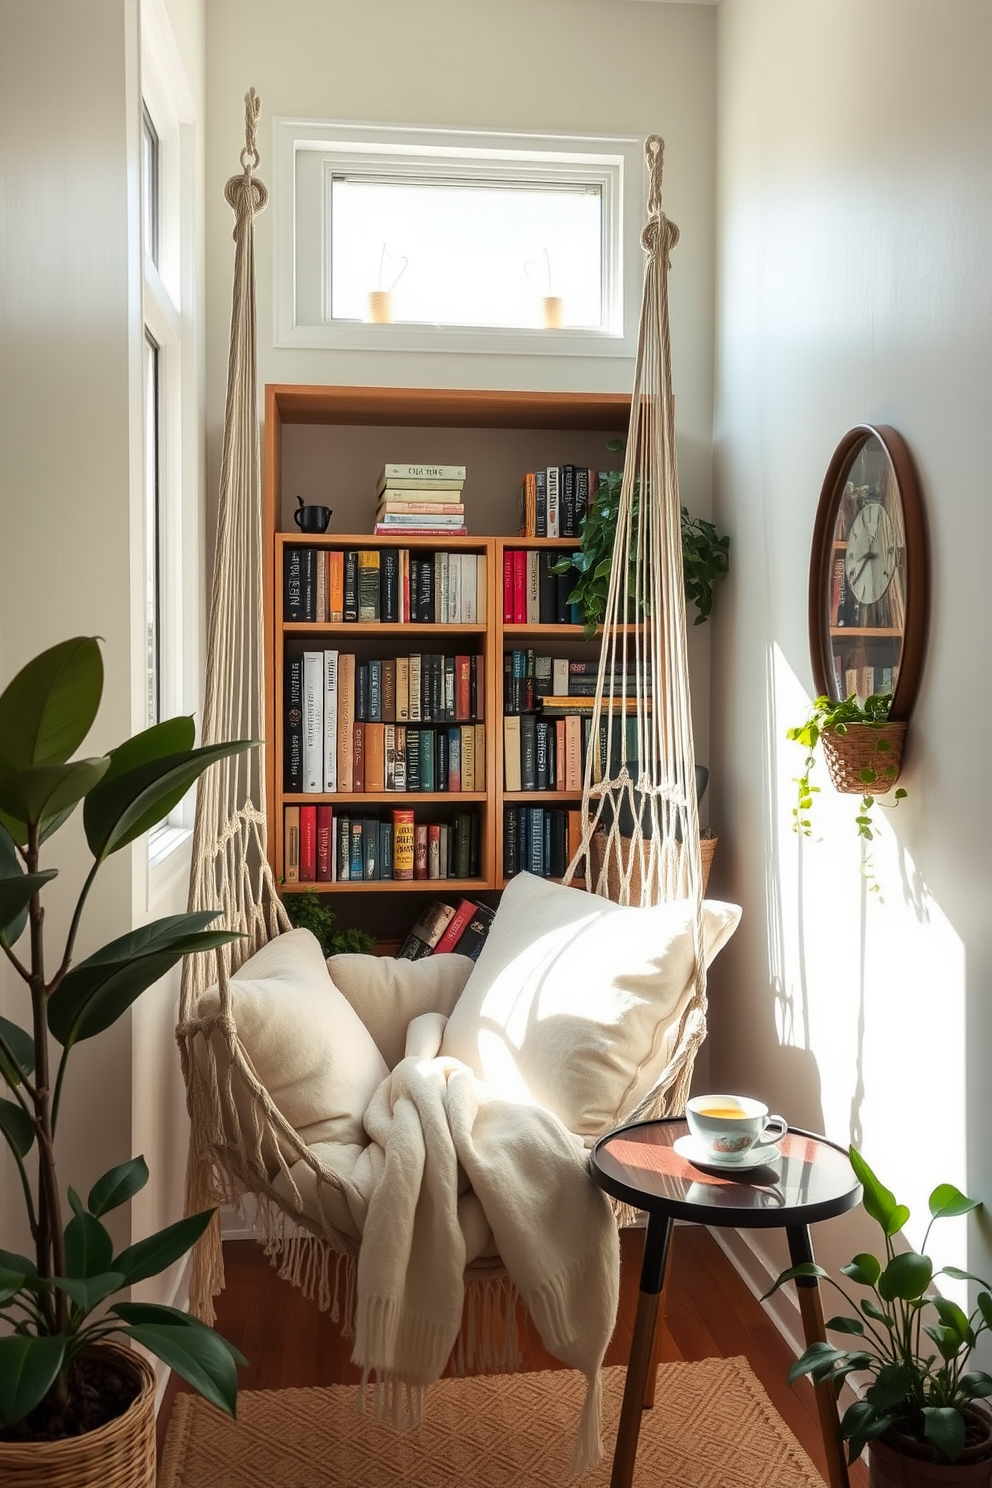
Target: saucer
(690,1148)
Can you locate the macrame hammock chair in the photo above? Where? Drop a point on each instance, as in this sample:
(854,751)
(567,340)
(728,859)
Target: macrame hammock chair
(641,838)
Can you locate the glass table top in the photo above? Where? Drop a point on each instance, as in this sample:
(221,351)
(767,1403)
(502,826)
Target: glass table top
(806,1180)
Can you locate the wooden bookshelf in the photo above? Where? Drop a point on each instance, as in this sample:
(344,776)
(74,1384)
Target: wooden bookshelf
(528,422)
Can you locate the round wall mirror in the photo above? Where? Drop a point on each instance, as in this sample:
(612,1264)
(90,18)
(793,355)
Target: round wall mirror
(868,573)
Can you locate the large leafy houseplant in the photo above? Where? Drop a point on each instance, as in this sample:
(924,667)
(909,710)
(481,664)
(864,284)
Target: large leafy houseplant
(914,1343)
(60,1302)
(705,554)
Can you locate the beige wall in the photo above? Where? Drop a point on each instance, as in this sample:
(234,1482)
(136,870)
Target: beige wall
(854,229)
(70,524)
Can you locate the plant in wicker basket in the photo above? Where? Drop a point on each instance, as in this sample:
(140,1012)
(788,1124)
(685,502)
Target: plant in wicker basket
(58,1304)
(863,751)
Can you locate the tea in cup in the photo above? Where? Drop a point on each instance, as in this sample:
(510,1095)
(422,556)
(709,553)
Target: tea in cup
(733,1128)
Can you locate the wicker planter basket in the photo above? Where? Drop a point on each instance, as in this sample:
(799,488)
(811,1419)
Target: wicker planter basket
(865,746)
(118,1455)
(707,847)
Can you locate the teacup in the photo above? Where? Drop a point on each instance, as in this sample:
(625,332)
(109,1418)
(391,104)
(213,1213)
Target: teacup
(733,1128)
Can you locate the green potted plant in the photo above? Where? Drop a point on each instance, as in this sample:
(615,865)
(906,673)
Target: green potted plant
(863,749)
(64,1389)
(705,557)
(311,911)
(918,1415)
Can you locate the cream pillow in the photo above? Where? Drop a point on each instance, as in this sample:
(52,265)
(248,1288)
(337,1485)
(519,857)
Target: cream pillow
(388,994)
(307,1045)
(573,998)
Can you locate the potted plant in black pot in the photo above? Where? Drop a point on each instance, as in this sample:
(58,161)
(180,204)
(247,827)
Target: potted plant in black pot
(76,1403)
(919,1416)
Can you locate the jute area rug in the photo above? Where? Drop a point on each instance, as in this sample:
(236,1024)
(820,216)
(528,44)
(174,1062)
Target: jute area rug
(712,1426)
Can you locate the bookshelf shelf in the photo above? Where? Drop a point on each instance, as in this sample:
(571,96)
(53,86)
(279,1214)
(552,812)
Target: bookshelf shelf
(433,886)
(505,434)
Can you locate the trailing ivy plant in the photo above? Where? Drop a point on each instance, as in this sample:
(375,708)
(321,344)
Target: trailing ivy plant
(837,715)
(311,911)
(705,554)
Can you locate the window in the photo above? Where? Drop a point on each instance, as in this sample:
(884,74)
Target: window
(171,494)
(428,240)
(153,522)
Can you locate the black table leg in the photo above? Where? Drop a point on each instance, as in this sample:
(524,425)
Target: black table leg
(635,1390)
(811,1311)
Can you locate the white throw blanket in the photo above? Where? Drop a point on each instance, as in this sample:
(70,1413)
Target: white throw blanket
(434,1131)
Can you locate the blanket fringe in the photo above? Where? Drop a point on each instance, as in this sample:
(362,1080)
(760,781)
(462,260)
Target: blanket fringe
(588,1448)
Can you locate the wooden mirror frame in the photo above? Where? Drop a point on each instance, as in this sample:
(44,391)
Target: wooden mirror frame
(916,564)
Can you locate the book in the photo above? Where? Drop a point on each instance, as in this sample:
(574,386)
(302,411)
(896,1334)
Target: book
(388,702)
(412,519)
(528,506)
(385,849)
(313,722)
(389,586)
(467,732)
(428,771)
(308,844)
(335,585)
(454,738)
(470,589)
(362,690)
(540,503)
(291,844)
(402,689)
(511,752)
(413,759)
(375,757)
(358,756)
(420,849)
(368,584)
(448,941)
(300,584)
(427,930)
(554,529)
(374,714)
(343,873)
(567,501)
(434,850)
(463,844)
(321,613)
(323,840)
(330,720)
(392,473)
(473,937)
(403,843)
(395,749)
(370,849)
(293,724)
(533,596)
(346,719)
(519,586)
(528,752)
(392,507)
(350,589)
(508,586)
(383,529)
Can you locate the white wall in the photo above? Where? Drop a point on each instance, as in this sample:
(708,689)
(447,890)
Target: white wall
(854,229)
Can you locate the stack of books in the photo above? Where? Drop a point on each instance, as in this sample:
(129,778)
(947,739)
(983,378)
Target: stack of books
(441,928)
(421,498)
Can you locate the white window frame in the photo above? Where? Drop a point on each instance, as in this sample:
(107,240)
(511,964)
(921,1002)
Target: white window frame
(168,316)
(306,153)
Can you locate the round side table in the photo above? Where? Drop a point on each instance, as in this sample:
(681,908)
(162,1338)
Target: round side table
(809,1180)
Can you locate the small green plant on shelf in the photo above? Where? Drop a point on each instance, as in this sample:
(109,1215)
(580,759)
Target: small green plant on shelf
(838,716)
(311,911)
(705,554)
(918,1394)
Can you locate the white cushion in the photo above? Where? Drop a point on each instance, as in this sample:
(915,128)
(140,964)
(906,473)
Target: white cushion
(388,994)
(307,1045)
(574,1000)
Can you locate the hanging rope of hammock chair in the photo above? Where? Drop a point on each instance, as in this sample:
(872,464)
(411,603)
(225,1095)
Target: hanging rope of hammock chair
(641,842)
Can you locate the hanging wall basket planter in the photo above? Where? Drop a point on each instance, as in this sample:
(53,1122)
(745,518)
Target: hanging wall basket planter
(866,759)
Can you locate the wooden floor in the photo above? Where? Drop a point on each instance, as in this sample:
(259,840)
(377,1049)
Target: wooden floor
(708,1312)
